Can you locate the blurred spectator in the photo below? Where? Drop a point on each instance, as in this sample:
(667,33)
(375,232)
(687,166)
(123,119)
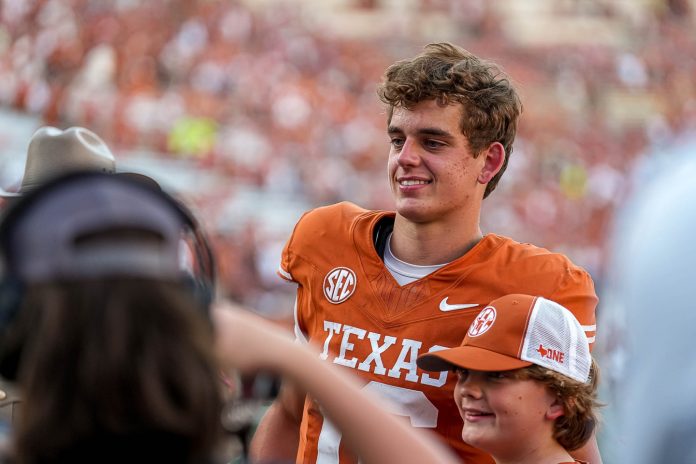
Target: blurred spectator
(89,313)
(650,316)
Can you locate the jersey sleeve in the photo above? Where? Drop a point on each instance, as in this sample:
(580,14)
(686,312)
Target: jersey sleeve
(285,272)
(286,257)
(577,293)
(314,237)
(313,241)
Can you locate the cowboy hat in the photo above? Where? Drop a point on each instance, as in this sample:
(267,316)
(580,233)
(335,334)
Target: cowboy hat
(53,152)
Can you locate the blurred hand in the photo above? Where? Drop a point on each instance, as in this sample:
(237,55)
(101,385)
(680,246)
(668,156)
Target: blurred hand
(248,342)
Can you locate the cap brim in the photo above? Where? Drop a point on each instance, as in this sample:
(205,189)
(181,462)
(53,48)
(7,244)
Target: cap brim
(142,178)
(469,357)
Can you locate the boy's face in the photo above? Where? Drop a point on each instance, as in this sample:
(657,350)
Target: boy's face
(502,414)
(432,173)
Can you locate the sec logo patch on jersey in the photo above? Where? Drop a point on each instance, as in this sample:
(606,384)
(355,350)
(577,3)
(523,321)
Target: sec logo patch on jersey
(339,284)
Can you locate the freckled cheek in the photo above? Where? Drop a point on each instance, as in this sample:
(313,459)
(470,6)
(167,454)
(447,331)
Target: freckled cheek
(510,407)
(519,403)
(460,176)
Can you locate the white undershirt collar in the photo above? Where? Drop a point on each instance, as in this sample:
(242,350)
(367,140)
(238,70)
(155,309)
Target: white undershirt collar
(403,272)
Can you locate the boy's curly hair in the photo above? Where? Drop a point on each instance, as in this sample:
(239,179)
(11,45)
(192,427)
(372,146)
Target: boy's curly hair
(580,418)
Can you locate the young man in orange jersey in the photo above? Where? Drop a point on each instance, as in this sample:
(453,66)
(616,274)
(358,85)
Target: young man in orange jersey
(377,289)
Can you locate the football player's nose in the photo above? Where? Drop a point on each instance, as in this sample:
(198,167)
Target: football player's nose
(408,156)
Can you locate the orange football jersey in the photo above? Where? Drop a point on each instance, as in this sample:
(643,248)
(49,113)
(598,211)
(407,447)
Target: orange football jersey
(350,306)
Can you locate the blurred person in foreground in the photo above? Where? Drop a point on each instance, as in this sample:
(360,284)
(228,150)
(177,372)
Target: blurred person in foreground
(653,316)
(526,382)
(111,344)
(375,289)
(52,152)
(102,329)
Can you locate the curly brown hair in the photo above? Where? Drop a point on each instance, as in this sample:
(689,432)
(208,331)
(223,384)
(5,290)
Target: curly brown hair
(580,418)
(448,74)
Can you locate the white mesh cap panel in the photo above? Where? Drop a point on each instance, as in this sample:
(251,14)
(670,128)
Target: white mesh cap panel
(555,340)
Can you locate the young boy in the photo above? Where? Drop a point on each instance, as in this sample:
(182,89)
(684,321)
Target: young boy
(526,387)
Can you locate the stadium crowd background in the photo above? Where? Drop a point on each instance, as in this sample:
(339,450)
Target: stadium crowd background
(257,110)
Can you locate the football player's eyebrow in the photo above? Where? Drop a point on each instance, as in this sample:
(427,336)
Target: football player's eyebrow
(423,131)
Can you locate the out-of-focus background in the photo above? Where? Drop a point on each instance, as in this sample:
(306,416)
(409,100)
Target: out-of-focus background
(257,110)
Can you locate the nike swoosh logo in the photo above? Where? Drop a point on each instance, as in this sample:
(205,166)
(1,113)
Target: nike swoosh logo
(453,307)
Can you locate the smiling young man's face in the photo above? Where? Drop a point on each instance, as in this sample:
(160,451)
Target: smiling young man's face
(502,413)
(433,174)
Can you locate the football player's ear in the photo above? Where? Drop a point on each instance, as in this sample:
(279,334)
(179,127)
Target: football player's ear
(493,157)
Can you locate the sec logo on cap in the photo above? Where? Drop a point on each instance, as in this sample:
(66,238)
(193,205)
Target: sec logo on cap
(339,284)
(483,322)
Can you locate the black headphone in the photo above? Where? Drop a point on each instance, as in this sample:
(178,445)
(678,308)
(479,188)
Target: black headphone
(200,278)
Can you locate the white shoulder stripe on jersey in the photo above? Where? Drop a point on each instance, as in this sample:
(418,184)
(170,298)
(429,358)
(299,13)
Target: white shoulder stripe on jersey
(300,336)
(285,274)
(590,328)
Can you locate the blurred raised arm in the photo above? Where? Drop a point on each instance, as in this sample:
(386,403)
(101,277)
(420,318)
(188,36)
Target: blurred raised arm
(249,343)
